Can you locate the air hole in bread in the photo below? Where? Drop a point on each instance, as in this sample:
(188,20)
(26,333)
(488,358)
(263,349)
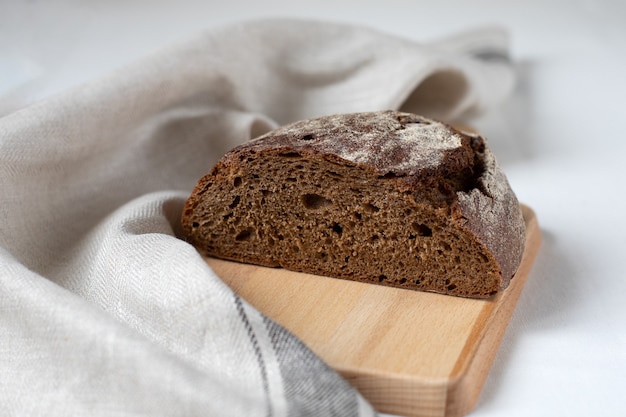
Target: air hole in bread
(389,175)
(235,202)
(290,155)
(422,229)
(315,201)
(244,235)
(370,208)
(237,181)
(337,228)
(307,137)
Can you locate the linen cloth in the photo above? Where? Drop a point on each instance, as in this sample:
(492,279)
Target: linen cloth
(104,309)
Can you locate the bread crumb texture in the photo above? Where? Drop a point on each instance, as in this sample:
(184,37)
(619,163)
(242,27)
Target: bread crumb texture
(387,198)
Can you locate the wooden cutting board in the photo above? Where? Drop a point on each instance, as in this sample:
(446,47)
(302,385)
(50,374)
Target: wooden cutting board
(409,353)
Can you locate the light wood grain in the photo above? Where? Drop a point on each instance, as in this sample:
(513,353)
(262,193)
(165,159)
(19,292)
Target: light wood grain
(409,353)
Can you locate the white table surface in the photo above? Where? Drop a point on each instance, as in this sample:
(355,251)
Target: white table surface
(561,140)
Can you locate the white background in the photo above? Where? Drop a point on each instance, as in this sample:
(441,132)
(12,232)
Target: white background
(561,140)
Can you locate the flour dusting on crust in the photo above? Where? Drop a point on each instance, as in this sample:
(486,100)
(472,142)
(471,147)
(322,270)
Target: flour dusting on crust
(391,141)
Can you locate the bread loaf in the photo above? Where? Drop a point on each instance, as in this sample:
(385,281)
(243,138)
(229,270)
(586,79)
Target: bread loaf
(386,198)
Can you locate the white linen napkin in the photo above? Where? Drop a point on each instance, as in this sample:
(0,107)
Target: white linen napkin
(104,311)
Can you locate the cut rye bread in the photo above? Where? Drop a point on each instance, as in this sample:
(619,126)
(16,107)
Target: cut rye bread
(386,198)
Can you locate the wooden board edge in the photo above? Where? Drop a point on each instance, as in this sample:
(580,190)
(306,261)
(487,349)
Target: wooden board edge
(466,386)
(400,394)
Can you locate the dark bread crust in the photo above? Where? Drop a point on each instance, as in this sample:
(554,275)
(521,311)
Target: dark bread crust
(332,195)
